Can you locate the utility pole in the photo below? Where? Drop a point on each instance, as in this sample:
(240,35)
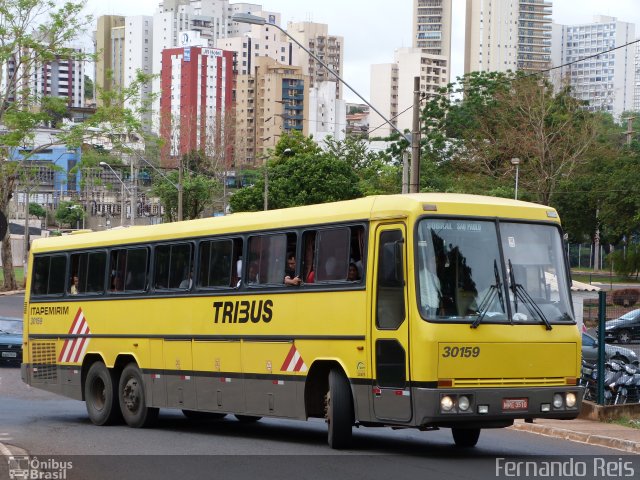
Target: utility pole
(179,188)
(414,186)
(629,132)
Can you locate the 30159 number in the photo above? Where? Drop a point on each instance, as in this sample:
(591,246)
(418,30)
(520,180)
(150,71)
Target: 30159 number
(460,352)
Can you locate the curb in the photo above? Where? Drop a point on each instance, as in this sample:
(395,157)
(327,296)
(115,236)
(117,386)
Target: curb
(628,446)
(11,292)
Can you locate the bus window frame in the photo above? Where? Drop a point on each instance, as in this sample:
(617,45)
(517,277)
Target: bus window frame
(124,292)
(196,273)
(105,279)
(151,288)
(49,256)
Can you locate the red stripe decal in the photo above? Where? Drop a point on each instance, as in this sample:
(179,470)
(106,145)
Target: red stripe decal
(290,355)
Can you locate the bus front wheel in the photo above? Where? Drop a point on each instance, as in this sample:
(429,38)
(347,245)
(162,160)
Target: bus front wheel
(339,410)
(132,399)
(465,437)
(100,395)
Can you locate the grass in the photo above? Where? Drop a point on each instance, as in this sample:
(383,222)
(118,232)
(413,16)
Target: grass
(626,422)
(601,278)
(19,272)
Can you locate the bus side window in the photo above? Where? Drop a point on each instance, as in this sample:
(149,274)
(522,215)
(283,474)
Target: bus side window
(89,268)
(128,269)
(267,257)
(218,263)
(332,260)
(173,266)
(49,274)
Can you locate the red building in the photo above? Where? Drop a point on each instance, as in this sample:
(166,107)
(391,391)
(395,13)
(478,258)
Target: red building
(196,103)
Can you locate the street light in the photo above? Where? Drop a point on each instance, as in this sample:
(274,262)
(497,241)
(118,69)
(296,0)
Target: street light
(133,200)
(516,163)
(256,20)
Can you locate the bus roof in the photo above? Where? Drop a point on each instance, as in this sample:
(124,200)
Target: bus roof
(373,207)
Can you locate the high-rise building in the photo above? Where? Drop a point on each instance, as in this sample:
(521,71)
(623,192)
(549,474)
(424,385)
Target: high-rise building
(259,41)
(392,87)
(506,35)
(126,47)
(272,100)
(196,105)
(605,81)
(636,90)
(327,114)
(108,39)
(432,27)
(329,48)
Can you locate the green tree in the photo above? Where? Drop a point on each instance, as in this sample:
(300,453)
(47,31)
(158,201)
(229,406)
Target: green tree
(37,210)
(299,173)
(198,192)
(32,32)
(88,88)
(69,214)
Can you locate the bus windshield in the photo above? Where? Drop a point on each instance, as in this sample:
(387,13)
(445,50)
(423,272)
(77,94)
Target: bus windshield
(481,271)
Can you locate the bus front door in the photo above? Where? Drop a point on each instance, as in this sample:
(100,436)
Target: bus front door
(391,392)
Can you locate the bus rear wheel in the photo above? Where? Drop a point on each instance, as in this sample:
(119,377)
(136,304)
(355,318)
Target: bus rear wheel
(100,395)
(132,399)
(339,411)
(465,437)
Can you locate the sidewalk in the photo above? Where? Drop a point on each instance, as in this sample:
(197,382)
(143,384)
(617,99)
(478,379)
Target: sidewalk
(603,434)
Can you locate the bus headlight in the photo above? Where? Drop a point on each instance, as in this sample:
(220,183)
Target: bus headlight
(446,403)
(558,401)
(571,399)
(463,403)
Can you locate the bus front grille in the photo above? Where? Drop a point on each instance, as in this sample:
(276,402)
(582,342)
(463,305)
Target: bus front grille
(509,382)
(43,359)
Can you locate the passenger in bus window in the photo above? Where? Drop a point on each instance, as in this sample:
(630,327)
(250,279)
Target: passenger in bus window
(75,282)
(309,274)
(187,281)
(290,277)
(253,275)
(353,275)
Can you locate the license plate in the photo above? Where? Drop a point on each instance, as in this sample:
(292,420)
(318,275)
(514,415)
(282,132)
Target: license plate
(515,404)
(9,354)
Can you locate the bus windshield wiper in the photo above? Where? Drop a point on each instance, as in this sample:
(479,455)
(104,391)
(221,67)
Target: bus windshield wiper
(519,292)
(495,289)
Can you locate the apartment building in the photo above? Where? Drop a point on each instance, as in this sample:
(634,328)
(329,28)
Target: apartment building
(508,35)
(607,81)
(196,105)
(392,87)
(271,101)
(327,114)
(432,27)
(328,48)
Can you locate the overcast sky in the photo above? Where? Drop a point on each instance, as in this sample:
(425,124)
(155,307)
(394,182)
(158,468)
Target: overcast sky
(373,29)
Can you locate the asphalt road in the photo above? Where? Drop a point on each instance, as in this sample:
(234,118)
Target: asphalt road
(54,428)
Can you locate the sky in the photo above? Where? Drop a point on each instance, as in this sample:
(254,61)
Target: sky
(373,29)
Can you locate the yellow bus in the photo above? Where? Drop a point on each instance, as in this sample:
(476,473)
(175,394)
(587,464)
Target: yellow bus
(423,310)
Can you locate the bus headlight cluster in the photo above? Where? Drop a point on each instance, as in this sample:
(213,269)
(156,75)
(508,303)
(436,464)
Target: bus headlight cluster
(455,403)
(564,400)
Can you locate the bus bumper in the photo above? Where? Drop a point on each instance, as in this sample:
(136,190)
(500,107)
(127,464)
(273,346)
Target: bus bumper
(492,407)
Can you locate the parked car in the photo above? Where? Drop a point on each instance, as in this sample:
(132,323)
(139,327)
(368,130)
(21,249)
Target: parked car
(611,352)
(624,329)
(10,348)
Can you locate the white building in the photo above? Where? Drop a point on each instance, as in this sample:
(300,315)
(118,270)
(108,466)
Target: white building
(606,81)
(392,87)
(432,27)
(636,91)
(327,114)
(506,35)
(259,41)
(138,54)
(329,48)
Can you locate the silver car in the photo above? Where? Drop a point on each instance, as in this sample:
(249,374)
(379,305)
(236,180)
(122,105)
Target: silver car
(611,352)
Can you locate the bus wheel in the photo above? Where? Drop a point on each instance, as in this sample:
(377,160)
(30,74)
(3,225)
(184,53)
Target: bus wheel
(100,395)
(465,437)
(247,418)
(339,410)
(132,399)
(195,415)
